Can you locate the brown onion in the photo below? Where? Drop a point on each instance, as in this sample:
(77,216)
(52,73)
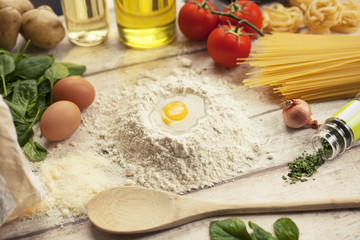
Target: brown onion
(297,114)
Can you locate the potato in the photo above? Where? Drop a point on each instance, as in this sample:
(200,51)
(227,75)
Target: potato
(46,7)
(10,22)
(20,5)
(42,27)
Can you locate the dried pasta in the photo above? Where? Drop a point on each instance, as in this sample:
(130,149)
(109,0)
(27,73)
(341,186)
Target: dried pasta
(350,21)
(321,15)
(278,18)
(310,67)
(302,4)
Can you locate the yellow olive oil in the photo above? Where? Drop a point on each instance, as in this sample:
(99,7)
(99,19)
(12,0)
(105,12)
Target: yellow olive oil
(146,23)
(86,21)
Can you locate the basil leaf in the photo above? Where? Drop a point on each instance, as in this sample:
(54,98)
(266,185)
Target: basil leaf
(33,67)
(286,229)
(7,65)
(55,72)
(259,233)
(25,94)
(74,69)
(229,229)
(35,151)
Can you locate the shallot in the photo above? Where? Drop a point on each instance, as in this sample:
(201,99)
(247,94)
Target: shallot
(297,114)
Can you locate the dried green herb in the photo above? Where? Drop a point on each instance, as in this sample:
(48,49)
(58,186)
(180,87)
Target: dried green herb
(307,164)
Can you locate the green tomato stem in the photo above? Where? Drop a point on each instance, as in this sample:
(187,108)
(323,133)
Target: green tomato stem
(205,5)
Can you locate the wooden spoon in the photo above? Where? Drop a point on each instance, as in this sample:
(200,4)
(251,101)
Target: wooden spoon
(129,210)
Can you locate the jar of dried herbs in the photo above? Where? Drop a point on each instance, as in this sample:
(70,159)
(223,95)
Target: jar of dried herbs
(339,132)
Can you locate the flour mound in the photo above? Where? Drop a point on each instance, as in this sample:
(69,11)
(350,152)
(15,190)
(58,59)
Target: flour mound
(214,150)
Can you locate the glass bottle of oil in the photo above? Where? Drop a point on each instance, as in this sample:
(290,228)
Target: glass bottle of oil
(86,21)
(146,23)
(340,131)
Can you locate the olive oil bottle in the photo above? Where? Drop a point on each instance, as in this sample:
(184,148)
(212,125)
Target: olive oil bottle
(86,21)
(146,23)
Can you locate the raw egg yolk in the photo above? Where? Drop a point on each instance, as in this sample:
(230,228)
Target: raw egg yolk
(173,113)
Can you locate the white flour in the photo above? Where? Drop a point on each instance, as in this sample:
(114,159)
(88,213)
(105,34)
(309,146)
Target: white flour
(214,150)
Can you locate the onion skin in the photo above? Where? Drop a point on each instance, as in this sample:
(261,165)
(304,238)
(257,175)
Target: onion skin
(297,114)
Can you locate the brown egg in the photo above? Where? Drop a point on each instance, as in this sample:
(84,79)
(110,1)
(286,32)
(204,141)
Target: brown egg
(74,89)
(60,120)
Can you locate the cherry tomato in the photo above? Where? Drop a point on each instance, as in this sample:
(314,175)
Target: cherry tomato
(196,21)
(247,10)
(225,44)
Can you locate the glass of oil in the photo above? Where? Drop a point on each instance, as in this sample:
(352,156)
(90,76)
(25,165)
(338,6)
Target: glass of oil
(86,21)
(146,24)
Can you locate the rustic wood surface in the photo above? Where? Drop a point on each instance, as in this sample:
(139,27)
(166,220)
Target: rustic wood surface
(111,64)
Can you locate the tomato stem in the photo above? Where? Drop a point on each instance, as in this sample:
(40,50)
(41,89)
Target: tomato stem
(236,7)
(246,22)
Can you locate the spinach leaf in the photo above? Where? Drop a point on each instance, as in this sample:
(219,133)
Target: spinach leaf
(24,131)
(6,52)
(30,67)
(229,229)
(35,151)
(286,229)
(55,72)
(23,128)
(23,107)
(259,233)
(25,94)
(74,69)
(7,65)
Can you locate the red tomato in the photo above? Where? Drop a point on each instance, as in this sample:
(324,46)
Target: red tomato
(225,45)
(247,10)
(196,21)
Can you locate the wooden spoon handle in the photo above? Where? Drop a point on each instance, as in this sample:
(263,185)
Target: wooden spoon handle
(295,206)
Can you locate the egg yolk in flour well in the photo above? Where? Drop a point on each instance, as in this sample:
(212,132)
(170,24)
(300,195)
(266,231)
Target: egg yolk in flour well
(177,114)
(174,113)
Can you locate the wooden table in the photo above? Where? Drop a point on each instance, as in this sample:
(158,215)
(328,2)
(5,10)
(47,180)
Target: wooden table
(112,61)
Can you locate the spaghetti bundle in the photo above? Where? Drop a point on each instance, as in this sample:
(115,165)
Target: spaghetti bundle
(310,67)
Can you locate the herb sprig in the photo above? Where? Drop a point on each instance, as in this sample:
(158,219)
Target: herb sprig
(26,85)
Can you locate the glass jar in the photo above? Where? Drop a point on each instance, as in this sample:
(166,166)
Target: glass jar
(339,132)
(146,24)
(86,21)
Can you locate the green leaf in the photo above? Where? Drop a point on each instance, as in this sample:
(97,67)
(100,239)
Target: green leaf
(23,128)
(7,65)
(30,67)
(259,233)
(55,72)
(25,94)
(74,69)
(24,132)
(6,52)
(286,229)
(229,229)
(35,151)
(44,88)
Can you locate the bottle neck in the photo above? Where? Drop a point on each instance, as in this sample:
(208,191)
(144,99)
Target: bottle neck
(333,138)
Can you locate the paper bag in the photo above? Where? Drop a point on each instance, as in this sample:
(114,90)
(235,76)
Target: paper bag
(19,187)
